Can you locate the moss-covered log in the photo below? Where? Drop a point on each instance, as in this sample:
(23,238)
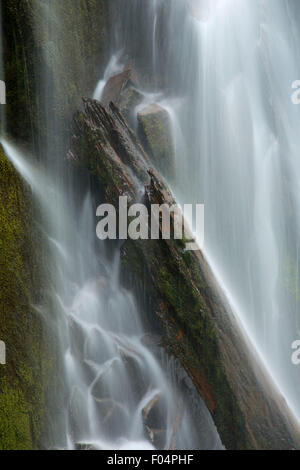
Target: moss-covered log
(29,367)
(200,329)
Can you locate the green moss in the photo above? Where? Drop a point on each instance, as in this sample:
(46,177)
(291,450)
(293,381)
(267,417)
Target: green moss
(13,409)
(29,364)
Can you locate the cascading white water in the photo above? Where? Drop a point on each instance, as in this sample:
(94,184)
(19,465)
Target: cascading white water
(117,394)
(112,68)
(225,69)
(243,165)
(118,389)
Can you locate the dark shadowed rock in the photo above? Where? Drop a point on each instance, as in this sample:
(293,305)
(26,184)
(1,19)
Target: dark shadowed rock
(156,436)
(153,421)
(150,413)
(155,134)
(199,327)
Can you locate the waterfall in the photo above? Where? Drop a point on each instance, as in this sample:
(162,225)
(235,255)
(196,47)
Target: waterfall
(112,373)
(115,382)
(119,389)
(225,70)
(243,166)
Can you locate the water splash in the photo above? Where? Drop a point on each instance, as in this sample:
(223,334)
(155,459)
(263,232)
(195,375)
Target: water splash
(113,67)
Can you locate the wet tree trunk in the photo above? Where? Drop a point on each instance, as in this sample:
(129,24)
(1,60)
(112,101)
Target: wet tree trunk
(199,327)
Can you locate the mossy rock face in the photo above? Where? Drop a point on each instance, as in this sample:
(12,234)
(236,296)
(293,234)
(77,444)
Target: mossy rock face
(155,133)
(29,364)
(51,48)
(18,62)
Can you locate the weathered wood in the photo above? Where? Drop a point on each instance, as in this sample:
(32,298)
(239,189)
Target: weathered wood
(199,326)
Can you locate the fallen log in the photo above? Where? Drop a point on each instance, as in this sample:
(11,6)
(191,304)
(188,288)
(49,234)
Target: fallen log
(199,327)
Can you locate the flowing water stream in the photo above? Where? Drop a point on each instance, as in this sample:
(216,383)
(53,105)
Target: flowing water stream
(241,144)
(223,69)
(119,389)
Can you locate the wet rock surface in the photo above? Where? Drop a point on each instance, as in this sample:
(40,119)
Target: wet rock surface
(25,378)
(71,63)
(114,86)
(155,134)
(152,121)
